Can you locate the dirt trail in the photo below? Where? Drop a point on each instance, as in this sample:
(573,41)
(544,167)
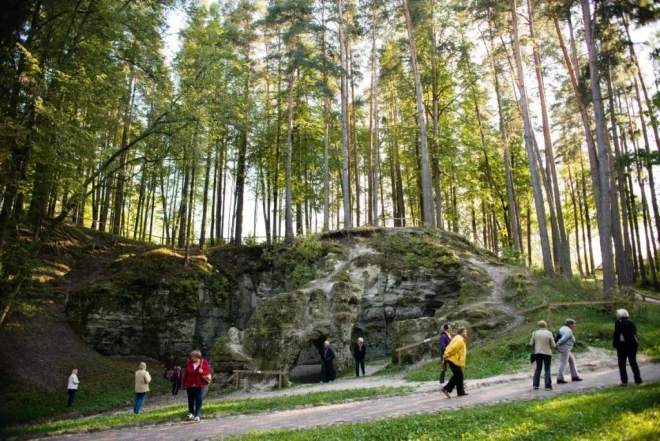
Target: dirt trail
(499,274)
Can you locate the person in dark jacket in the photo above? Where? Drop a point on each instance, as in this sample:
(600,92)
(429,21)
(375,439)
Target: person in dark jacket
(175,378)
(626,344)
(359,352)
(327,370)
(445,339)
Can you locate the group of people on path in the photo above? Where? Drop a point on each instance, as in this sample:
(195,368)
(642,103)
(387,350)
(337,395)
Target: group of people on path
(454,353)
(453,347)
(194,378)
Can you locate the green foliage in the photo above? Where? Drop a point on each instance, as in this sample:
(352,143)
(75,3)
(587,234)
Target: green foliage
(296,264)
(403,251)
(611,415)
(211,408)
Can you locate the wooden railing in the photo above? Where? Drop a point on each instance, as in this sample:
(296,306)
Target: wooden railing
(280,375)
(547,305)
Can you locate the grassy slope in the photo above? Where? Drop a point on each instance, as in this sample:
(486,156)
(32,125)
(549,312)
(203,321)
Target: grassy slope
(39,352)
(176,412)
(510,352)
(612,414)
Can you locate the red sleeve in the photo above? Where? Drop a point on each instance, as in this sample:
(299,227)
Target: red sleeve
(205,367)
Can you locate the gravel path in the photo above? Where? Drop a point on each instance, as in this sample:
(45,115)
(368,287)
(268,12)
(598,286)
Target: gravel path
(357,411)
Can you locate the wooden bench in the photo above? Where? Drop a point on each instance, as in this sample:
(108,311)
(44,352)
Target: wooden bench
(280,375)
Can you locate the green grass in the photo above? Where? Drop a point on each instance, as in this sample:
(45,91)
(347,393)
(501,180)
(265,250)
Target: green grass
(611,414)
(177,412)
(105,384)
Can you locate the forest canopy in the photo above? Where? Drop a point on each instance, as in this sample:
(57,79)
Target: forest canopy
(529,127)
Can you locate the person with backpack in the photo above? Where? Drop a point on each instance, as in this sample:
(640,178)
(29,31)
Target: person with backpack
(445,339)
(195,377)
(565,341)
(142,380)
(626,344)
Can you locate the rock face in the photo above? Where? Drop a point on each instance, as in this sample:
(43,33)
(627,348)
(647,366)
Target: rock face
(282,300)
(283,326)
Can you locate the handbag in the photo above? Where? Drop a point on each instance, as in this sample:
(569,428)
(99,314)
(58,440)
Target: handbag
(207,378)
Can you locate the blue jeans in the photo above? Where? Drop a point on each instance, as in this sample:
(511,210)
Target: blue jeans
(195,399)
(543,362)
(139,401)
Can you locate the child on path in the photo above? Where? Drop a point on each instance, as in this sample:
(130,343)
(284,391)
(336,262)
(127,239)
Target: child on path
(175,378)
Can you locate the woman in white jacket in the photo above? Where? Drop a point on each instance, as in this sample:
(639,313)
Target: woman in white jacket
(73,386)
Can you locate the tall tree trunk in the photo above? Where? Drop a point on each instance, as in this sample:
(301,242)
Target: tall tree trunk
(623,252)
(121,176)
(356,162)
(242,152)
(205,199)
(427,192)
(536,186)
(288,232)
(344,118)
(563,243)
(604,212)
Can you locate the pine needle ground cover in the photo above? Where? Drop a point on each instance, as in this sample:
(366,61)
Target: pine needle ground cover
(612,414)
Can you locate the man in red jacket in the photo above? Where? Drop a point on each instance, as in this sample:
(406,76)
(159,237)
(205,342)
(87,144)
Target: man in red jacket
(195,377)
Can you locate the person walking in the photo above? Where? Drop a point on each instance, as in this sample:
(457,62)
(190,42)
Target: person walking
(142,380)
(543,343)
(195,377)
(360,351)
(445,338)
(565,345)
(72,388)
(455,355)
(327,370)
(175,378)
(626,344)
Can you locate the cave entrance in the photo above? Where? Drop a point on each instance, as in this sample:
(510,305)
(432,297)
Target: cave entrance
(308,366)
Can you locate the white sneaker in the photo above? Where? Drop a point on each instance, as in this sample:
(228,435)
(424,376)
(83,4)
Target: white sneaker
(197,419)
(189,417)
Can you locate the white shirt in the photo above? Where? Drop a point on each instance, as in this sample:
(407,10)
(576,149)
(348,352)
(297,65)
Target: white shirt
(73,382)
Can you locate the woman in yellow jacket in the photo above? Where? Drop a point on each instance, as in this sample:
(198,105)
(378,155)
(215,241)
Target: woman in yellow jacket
(455,355)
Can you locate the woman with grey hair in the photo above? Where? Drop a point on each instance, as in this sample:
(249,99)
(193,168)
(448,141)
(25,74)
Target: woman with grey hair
(72,388)
(142,380)
(626,344)
(543,343)
(565,344)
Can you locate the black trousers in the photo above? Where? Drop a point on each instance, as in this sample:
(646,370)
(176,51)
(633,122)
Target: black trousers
(456,379)
(72,395)
(628,353)
(358,364)
(176,385)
